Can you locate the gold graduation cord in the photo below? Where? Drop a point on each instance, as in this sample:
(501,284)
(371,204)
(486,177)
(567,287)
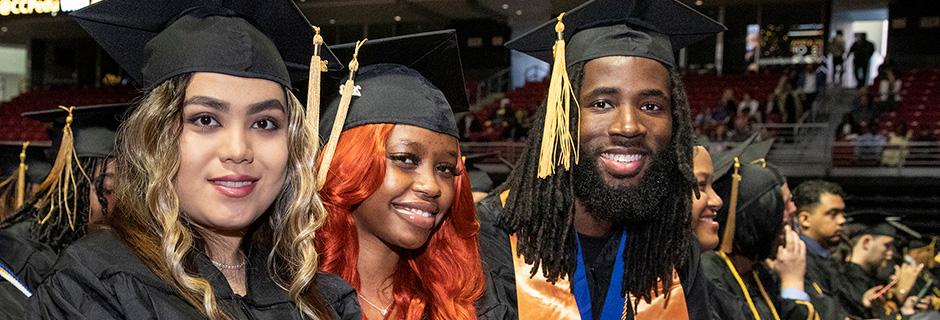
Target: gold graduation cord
(558,146)
(812,310)
(337,129)
(727,239)
(737,277)
(763,293)
(317,66)
(60,182)
(21,177)
(817,287)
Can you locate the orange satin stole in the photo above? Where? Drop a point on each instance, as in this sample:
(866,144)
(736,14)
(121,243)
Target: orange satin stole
(539,299)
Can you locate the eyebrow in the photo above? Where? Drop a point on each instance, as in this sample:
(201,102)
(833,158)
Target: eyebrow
(420,147)
(653,93)
(262,106)
(604,91)
(208,102)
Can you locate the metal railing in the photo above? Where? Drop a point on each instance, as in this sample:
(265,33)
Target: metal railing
(880,154)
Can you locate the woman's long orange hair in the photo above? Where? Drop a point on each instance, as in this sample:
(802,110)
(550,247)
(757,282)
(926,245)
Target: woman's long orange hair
(445,279)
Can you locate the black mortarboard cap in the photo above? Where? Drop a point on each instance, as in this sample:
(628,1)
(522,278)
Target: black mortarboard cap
(413,79)
(37,166)
(749,151)
(877,222)
(599,28)
(741,177)
(93,127)
(156,40)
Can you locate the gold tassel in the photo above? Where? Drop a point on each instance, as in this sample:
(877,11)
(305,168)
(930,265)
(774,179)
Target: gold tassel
(61,182)
(762,162)
(317,66)
(337,129)
(727,239)
(558,146)
(21,177)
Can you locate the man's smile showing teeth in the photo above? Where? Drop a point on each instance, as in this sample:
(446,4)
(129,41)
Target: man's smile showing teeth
(623,164)
(622,158)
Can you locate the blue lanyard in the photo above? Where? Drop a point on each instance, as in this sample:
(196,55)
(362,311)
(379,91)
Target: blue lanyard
(7,274)
(613,304)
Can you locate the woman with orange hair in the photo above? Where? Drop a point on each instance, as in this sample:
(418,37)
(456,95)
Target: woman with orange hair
(402,225)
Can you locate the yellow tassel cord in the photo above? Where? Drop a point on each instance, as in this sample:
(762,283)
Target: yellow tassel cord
(337,129)
(21,178)
(727,239)
(737,277)
(317,66)
(558,146)
(763,293)
(60,182)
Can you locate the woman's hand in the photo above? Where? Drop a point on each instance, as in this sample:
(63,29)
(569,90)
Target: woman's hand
(790,264)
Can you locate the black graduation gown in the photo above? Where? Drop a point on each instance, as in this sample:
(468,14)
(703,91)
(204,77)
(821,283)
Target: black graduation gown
(822,282)
(499,301)
(99,277)
(857,281)
(716,270)
(30,261)
(724,304)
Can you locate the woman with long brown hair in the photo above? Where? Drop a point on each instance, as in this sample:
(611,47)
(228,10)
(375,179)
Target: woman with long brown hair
(216,204)
(402,226)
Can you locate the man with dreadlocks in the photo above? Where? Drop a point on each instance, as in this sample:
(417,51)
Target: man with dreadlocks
(594,222)
(73,196)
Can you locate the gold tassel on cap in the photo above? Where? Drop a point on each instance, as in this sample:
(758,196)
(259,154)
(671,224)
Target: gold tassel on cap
(727,239)
(337,129)
(21,178)
(317,66)
(558,146)
(60,183)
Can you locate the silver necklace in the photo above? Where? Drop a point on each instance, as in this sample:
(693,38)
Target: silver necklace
(230,266)
(382,311)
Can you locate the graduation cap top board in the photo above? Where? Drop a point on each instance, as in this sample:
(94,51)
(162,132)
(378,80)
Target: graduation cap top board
(877,222)
(414,79)
(92,127)
(37,167)
(752,150)
(156,40)
(599,28)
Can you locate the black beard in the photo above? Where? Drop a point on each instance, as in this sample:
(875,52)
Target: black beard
(640,203)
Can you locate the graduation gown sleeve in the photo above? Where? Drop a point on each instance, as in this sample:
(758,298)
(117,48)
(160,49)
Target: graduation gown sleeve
(340,296)
(74,291)
(28,260)
(822,281)
(499,300)
(695,286)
